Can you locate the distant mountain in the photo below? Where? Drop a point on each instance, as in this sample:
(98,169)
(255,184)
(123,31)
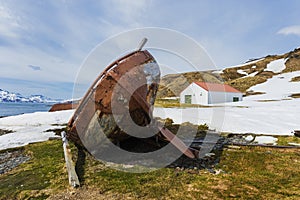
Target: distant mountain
(241,77)
(6,96)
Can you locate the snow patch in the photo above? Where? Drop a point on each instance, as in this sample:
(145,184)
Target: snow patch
(252,74)
(31,127)
(272,118)
(276,66)
(217,72)
(240,71)
(277,88)
(266,140)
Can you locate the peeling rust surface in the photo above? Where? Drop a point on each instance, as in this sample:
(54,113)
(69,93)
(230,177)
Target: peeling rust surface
(123,93)
(116,86)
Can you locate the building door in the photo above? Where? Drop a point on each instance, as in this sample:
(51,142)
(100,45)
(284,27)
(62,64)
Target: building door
(188,99)
(235,99)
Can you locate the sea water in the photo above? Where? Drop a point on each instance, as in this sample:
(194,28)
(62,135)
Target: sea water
(9,109)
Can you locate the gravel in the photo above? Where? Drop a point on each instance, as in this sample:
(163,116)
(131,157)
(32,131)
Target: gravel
(11,159)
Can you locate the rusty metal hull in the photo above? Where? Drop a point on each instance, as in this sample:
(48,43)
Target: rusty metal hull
(112,89)
(125,92)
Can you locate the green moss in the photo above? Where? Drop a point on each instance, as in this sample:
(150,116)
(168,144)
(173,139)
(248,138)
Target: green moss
(203,127)
(286,140)
(45,166)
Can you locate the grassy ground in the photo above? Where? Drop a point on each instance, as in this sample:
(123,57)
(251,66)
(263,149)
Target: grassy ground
(170,103)
(249,173)
(286,140)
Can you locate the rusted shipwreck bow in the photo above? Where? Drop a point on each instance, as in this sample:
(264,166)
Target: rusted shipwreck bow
(123,93)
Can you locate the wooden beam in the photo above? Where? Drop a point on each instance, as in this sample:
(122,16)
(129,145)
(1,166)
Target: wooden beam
(73,178)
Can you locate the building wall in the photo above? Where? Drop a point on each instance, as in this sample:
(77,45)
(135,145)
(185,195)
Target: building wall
(221,97)
(198,94)
(203,97)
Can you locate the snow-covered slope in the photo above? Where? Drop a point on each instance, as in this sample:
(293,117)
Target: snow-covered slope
(279,87)
(274,118)
(31,127)
(6,96)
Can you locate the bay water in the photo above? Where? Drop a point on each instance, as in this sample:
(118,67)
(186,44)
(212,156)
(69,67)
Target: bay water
(12,108)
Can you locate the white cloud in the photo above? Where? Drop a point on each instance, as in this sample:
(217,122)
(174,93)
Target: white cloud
(8,23)
(290,30)
(130,11)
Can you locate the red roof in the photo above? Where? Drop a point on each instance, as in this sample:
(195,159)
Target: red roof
(216,87)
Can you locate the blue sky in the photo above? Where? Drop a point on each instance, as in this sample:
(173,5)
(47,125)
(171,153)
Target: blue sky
(44,43)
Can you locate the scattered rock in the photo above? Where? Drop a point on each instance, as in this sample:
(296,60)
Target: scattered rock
(210,154)
(4,131)
(219,171)
(239,139)
(11,159)
(297,133)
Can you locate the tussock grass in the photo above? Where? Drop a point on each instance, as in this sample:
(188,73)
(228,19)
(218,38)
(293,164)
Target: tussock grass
(292,64)
(295,79)
(243,84)
(267,100)
(286,140)
(174,103)
(295,95)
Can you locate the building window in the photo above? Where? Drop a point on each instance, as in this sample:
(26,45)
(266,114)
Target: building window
(235,99)
(188,99)
(200,94)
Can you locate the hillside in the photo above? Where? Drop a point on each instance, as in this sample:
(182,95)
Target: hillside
(172,84)
(242,77)
(258,71)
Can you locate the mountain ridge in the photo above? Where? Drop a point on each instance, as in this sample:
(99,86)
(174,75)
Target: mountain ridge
(6,96)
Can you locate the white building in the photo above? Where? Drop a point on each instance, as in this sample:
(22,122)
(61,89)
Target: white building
(209,93)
